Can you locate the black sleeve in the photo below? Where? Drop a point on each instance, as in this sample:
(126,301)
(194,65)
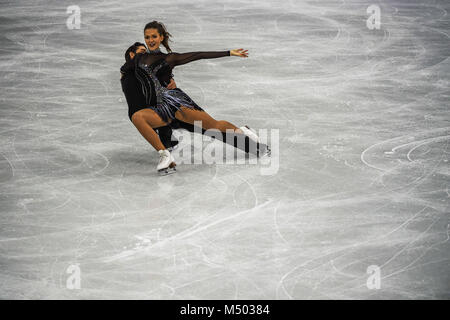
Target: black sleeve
(177,59)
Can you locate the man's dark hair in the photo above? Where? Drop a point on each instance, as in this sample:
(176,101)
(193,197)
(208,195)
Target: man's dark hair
(133,49)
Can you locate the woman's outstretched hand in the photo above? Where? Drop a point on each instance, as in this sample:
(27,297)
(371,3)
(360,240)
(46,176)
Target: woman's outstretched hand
(239,52)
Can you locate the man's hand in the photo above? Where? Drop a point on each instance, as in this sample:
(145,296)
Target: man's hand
(172,84)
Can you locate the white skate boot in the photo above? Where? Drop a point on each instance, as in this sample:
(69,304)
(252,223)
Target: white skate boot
(263,149)
(166,163)
(250,133)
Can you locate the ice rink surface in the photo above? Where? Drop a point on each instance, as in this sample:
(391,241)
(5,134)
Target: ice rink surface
(363,177)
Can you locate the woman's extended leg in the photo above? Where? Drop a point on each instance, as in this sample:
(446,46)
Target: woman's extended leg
(247,144)
(145,120)
(190,115)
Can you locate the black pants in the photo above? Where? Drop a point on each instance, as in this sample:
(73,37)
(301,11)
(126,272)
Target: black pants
(237,140)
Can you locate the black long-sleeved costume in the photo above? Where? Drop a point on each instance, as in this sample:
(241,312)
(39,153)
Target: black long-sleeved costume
(163,75)
(176,59)
(131,88)
(136,100)
(134,91)
(153,69)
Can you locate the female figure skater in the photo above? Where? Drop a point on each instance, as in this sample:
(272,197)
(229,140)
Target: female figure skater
(154,66)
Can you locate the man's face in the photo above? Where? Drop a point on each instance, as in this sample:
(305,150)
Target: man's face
(140,49)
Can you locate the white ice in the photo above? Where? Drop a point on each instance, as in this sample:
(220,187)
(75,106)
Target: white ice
(363,119)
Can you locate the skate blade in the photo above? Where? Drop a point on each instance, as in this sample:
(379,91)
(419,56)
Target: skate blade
(170,170)
(165,172)
(265,153)
(172,148)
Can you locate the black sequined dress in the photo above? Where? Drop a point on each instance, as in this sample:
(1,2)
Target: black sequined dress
(154,69)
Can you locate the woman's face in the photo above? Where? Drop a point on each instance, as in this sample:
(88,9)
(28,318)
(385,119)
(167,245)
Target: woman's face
(152,38)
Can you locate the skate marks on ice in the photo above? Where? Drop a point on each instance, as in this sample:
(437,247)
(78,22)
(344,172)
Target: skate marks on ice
(337,269)
(410,158)
(148,242)
(73,188)
(375,156)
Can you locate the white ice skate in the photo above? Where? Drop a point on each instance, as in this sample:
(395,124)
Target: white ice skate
(250,133)
(263,149)
(166,163)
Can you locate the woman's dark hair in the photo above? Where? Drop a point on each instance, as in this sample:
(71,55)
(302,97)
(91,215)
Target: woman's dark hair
(162,32)
(133,49)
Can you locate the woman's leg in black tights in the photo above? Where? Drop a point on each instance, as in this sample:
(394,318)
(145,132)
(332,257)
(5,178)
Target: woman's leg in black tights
(238,139)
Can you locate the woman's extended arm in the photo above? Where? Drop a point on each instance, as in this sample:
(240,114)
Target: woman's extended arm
(177,59)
